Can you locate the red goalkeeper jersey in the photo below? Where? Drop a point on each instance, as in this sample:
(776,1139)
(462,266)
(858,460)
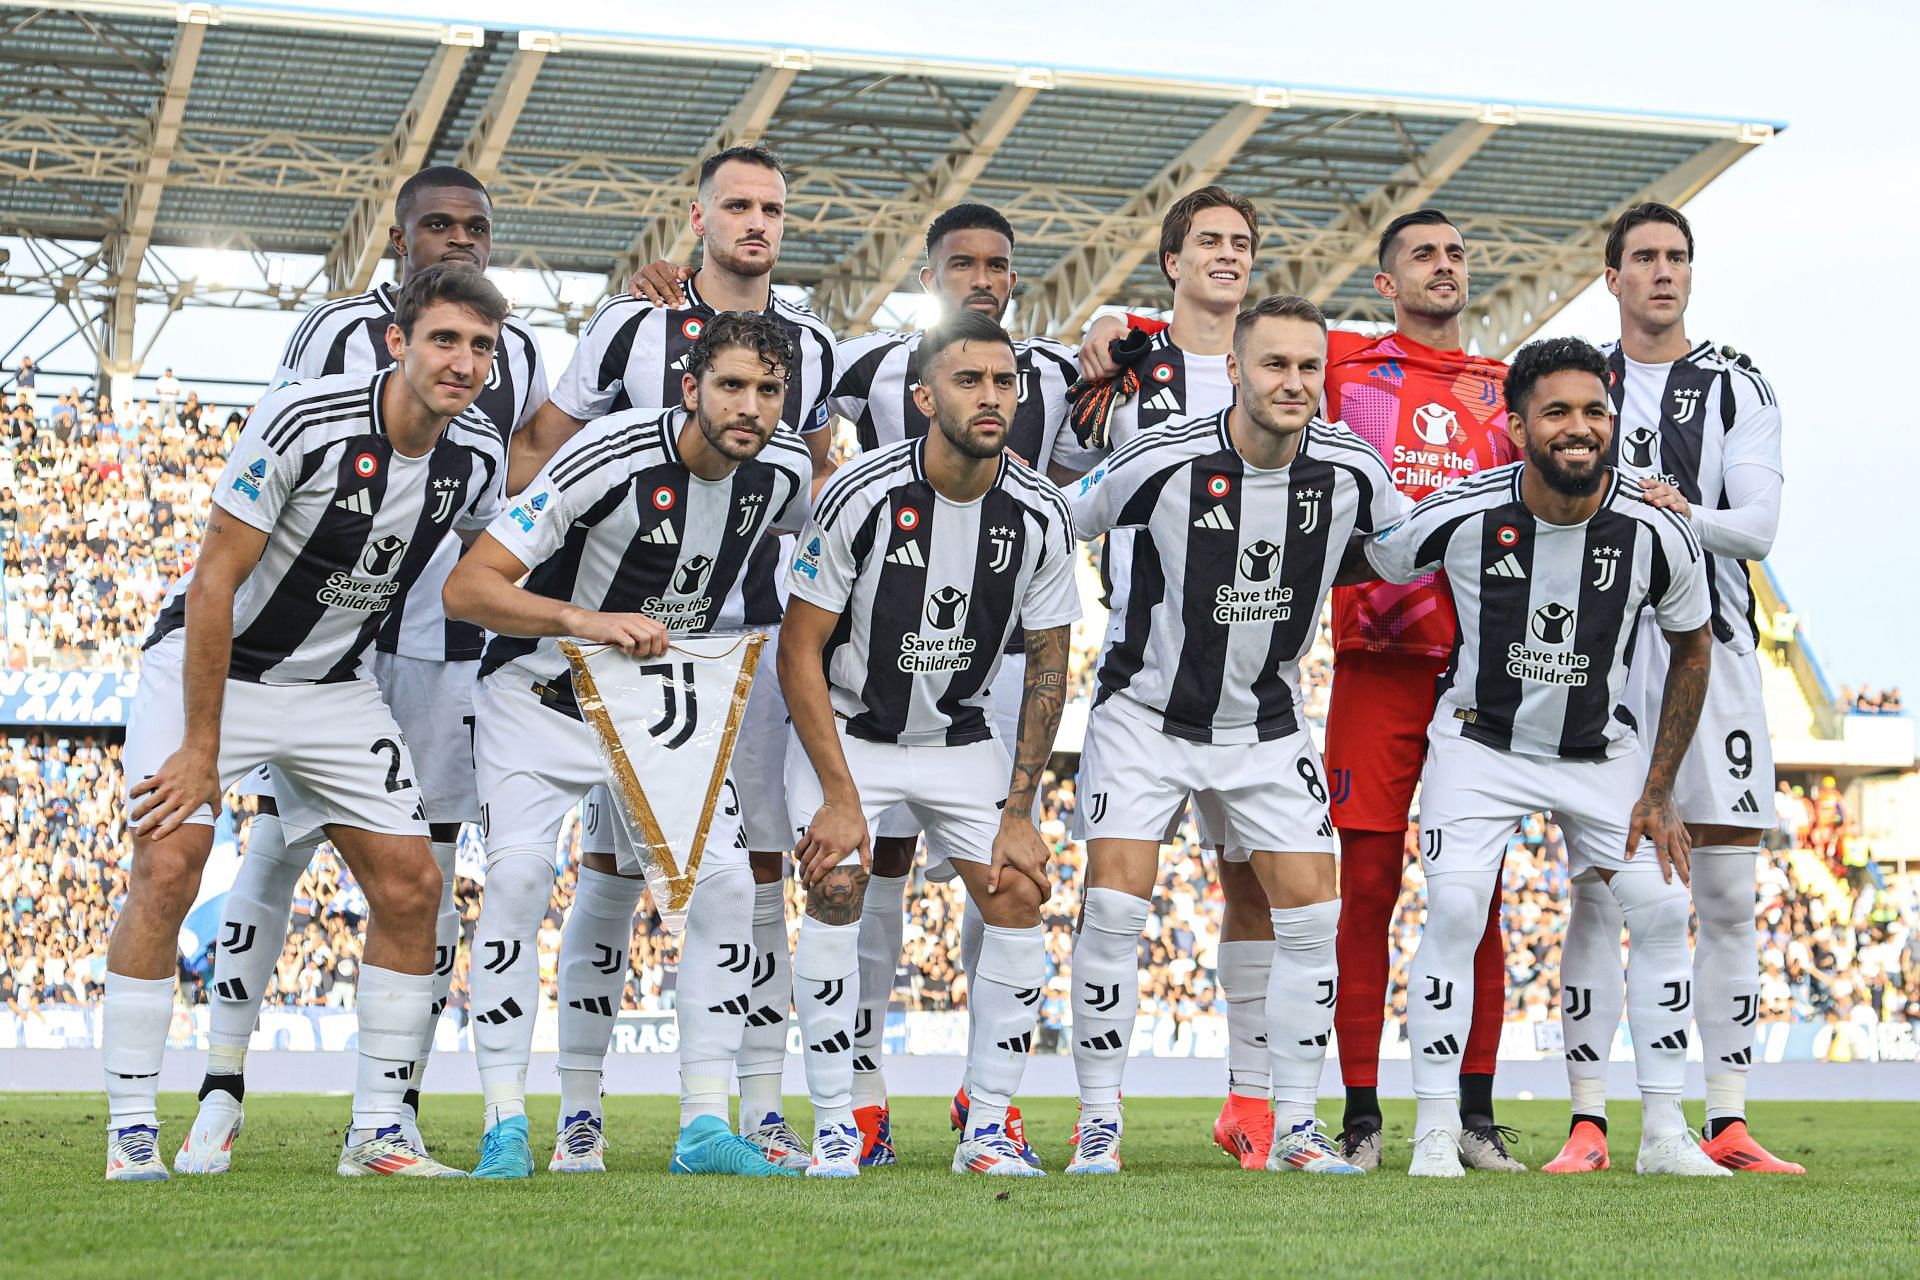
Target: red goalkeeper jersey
(1436,417)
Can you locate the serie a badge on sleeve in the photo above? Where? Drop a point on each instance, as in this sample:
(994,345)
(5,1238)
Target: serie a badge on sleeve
(666,728)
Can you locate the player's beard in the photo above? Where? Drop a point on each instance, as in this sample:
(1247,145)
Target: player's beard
(749,268)
(725,446)
(1429,307)
(1563,481)
(963,437)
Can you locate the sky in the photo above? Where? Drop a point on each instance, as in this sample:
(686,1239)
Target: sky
(1793,242)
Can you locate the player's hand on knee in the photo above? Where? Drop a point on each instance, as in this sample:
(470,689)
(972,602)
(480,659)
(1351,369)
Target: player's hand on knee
(187,779)
(836,831)
(659,283)
(1658,820)
(1019,850)
(1096,361)
(634,634)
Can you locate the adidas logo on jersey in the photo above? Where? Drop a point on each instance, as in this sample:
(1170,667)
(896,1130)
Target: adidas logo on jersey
(1746,803)
(1162,401)
(357,502)
(1507,566)
(908,554)
(1216,518)
(661,535)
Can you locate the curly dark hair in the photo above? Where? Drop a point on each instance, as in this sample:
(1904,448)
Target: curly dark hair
(1549,356)
(757,331)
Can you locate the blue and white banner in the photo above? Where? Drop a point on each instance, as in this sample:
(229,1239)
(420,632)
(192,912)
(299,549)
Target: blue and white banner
(82,699)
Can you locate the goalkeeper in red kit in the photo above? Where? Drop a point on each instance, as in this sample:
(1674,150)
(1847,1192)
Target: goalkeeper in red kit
(1437,415)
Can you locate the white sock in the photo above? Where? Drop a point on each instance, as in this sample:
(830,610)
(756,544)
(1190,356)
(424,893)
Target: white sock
(716,973)
(826,988)
(504,976)
(1302,986)
(1659,978)
(883,927)
(1726,973)
(1245,970)
(446,948)
(394,1012)
(594,945)
(133,1041)
(1106,991)
(1440,995)
(253,929)
(1003,999)
(763,1044)
(973,931)
(1436,1113)
(1593,991)
(1661,1115)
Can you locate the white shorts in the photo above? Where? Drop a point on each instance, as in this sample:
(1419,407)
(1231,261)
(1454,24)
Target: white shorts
(1726,777)
(955,793)
(758,770)
(1004,697)
(1135,779)
(534,763)
(1473,796)
(336,749)
(432,702)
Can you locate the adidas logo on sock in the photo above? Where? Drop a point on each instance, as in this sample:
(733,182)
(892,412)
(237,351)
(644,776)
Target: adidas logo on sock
(862,1063)
(1320,1039)
(765,1016)
(1678,1040)
(1164,400)
(357,502)
(1108,1041)
(661,535)
(231,989)
(1746,803)
(1444,1047)
(1507,566)
(402,1072)
(1021,1043)
(838,1042)
(1739,1058)
(908,554)
(1216,518)
(1583,1053)
(737,1005)
(593,1004)
(509,1010)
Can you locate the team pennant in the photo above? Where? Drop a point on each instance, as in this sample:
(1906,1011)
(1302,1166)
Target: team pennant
(672,721)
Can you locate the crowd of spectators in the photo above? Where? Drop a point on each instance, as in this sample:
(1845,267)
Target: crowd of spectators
(1870,702)
(101,508)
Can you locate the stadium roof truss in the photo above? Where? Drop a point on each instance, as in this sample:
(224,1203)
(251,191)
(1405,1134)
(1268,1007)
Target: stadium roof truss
(132,130)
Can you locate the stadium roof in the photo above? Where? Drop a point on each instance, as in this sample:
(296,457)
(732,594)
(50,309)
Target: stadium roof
(136,125)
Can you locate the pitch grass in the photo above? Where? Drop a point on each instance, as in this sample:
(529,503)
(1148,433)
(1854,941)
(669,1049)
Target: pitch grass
(1181,1207)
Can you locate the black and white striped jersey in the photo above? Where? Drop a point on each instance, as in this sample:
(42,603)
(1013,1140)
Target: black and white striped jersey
(1174,384)
(879,371)
(349,335)
(1546,611)
(1691,422)
(615,522)
(351,524)
(632,355)
(929,591)
(1229,569)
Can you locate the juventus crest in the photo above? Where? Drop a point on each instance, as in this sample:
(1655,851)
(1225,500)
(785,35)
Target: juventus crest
(1606,565)
(1309,506)
(1686,401)
(1002,538)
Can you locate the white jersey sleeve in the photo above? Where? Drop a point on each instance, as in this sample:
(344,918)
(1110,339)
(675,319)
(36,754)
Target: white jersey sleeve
(824,571)
(535,527)
(1751,475)
(258,478)
(1679,595)
(1407,548)
(1052,598)
(1100,498)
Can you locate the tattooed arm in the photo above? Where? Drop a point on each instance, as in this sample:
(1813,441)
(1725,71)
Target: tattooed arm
(1018,847)
(1655,815)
